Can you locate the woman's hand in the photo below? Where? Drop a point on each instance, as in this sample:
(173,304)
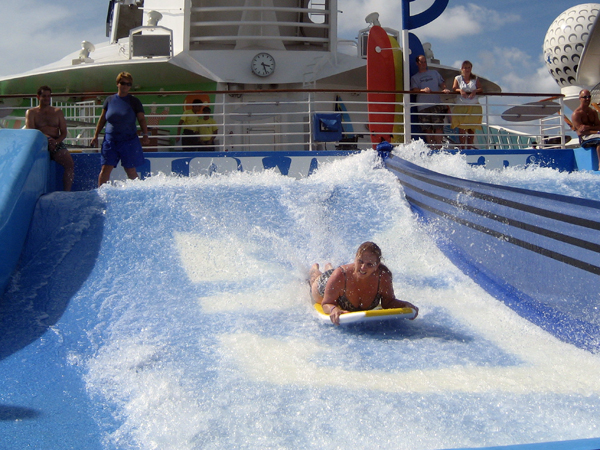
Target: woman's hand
(410,305)
(335,313)
(396,303)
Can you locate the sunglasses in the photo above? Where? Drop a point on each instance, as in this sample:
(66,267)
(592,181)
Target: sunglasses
(125,83)
(586,96)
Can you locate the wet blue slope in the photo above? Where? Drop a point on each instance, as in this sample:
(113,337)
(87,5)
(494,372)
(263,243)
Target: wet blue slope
(173,314)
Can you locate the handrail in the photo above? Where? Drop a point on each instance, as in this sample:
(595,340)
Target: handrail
(225,23)
(282,119)
(258,8)
(255,91)
(270,37)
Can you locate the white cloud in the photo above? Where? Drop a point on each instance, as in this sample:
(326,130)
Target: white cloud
(40,33)
(458,21)
(354,12)
(538,81)
(466,20)
(517,72)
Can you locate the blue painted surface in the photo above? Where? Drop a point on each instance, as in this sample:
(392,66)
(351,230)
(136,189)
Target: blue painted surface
(582,444)
(410,22)
(327,127)
(24,166)
(296,164)
(586,158)
(113,338)
(559,159)
(537,252)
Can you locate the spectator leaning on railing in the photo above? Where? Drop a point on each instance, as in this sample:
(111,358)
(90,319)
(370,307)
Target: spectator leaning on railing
(431,113)
(467,113)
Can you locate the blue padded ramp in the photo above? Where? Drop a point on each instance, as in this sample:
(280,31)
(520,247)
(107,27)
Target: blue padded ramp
(24,165)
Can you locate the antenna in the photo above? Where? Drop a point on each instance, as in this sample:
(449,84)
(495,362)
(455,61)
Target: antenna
(153,18)
(373,19)
(84,53)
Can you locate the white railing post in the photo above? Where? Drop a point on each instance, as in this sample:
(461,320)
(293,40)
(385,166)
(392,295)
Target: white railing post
(487,121)
(310,122)
(406,78)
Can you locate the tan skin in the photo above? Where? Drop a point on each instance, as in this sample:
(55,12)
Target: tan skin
(51,121)
(585,119)
(123,88)
(360,286)
(467,137)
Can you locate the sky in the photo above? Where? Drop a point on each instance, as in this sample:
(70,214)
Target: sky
(502,38)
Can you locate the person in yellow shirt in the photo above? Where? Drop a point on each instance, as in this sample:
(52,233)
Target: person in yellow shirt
(189,122)
(208,131)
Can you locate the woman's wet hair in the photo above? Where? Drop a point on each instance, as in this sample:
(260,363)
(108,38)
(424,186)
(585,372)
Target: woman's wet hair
(372,247)
(369,247)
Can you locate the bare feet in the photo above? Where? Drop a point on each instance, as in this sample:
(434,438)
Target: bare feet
(313,274)
(328,266)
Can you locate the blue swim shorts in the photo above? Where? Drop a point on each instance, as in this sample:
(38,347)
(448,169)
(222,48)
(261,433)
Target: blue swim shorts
(129,152)
(591,140)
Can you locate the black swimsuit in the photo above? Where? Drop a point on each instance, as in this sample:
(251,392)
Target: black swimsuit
(343,301)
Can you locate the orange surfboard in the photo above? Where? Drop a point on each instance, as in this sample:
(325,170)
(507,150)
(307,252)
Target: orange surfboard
(381,75)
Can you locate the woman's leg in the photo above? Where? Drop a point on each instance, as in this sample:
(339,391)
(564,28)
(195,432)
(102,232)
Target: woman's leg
(313,277)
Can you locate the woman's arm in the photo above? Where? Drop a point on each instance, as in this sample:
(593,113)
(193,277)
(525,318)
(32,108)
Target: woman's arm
(99,126)
(141,117)
(479,89)
(333,290)
(455,86)
(389,300)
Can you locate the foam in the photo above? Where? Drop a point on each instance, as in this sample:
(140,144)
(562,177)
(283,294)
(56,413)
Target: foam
(193,328)
(582,184)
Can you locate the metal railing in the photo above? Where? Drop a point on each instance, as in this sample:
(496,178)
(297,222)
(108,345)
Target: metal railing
(285,119)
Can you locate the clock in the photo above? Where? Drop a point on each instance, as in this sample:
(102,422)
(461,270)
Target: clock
(263,65)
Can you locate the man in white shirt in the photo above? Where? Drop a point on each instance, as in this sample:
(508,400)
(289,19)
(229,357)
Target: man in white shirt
(431,113)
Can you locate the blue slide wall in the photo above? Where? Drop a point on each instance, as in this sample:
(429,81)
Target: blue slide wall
(537,252)
(24,168)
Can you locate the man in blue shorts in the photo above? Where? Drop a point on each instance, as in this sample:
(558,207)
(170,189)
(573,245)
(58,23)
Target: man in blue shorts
(121,142)
(586,123)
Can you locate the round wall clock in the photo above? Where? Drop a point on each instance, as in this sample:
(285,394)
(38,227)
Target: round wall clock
(263,65)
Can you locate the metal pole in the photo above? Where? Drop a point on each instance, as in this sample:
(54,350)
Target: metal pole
(406,76)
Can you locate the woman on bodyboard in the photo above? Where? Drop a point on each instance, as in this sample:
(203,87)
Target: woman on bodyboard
(359,286)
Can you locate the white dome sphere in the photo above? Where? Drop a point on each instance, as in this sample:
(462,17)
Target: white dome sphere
(566,39)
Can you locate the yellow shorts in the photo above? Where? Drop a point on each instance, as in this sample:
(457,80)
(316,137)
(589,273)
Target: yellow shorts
(467,117)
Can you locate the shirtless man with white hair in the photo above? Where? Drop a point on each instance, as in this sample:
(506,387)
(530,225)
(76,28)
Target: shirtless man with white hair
(51,121)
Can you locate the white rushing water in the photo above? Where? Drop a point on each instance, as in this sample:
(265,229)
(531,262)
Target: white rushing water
(196,331)
(576,184)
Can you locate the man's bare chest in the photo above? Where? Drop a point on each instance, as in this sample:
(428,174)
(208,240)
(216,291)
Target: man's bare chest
(46,119)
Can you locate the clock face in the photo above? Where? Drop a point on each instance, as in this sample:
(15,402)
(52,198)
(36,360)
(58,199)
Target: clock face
(263,65)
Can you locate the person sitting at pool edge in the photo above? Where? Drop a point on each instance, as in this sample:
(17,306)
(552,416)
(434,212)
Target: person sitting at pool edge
(51,121)
(358,286)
